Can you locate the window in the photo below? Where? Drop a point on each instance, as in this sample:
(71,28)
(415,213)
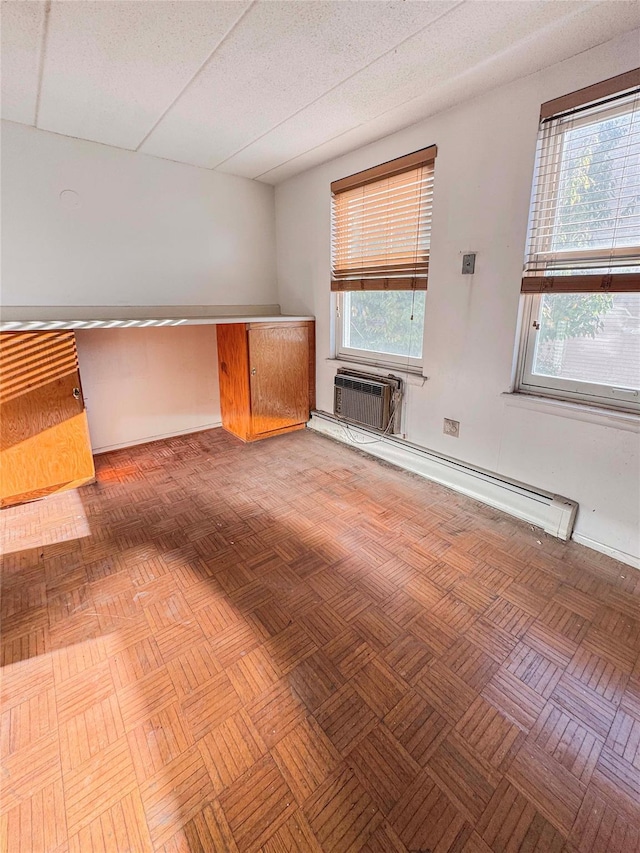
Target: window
(381,229)
(581,281)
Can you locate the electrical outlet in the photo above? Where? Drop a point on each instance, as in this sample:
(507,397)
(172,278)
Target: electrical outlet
(451,427)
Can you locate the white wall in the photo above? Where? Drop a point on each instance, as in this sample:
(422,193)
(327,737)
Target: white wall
(146,232)
(142,384)
(483,172)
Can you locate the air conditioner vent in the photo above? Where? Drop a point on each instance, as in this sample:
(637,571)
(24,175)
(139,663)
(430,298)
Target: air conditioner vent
(364,401)
(363,387)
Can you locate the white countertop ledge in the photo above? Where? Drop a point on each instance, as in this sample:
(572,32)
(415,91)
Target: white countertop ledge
(52,318)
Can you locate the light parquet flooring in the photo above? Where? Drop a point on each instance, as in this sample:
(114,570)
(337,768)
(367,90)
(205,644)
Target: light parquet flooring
(288,646)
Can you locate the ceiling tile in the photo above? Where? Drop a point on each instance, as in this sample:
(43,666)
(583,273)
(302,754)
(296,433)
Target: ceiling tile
(112,69)
(416,71)
(592,26)
(22,29)
(282,57)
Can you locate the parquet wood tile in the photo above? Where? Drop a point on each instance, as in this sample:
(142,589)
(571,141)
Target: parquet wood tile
(211,704)
(512,823)
(140,699)
(470,663)
(435,634)
(417,726)
(618,779)
(231,749)
(341,813)
(349,652)
(383,767)
(601,827)
(552,789)
(254,820)
(490,734)
(192,669)
(174,795)
(305,757)
(37,824)
(32,719)
(315,679)
(276,712)
(158,740)
(533,669)
(585,705)
(95,785)
(122,827)
(425,819)
(206,831)
(288,647)
(253,674)
(407,656)
(464,775)
(445,690)
(384,840)
(573,745)
(86,734)
(514,699)
(346,718)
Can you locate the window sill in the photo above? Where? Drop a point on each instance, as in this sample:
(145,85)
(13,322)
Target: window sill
(414,375)
(577,411)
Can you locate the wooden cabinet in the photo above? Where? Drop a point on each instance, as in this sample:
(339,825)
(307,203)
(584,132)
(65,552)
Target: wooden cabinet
(267,377)
(44,439)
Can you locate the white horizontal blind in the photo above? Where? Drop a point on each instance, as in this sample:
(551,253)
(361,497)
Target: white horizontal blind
(381,232)
(584,227)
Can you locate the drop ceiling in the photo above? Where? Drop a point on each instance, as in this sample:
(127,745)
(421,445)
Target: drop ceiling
(266,89)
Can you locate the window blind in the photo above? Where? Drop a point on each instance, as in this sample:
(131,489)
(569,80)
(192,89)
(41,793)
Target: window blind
(381,225)
(584,224)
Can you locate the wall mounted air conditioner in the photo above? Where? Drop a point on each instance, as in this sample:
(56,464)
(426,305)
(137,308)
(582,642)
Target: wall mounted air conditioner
(367,400)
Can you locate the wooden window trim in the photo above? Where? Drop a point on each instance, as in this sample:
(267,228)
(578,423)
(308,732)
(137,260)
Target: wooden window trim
(612,283)
(386,170)
(342,285)
(590,94)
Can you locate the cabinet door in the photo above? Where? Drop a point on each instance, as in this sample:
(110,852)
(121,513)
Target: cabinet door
(279,368)
(44,440)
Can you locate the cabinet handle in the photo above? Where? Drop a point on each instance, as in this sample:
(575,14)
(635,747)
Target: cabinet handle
(253,371)
(76,393)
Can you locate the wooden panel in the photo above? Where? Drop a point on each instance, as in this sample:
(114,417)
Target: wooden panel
(44,445)
(279,364)
(233,373)
(311,328)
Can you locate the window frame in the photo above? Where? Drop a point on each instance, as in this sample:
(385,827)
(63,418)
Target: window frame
(551,145)
(535,285)
(390,275)
(570,390)
(373,358)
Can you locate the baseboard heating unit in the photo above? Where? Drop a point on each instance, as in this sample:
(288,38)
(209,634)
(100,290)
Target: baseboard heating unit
(553,513)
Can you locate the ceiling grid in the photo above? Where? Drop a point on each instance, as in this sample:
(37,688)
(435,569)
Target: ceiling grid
(268,88)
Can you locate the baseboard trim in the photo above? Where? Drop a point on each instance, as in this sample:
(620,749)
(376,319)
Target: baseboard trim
(620,556)
(148,439)
(553,513)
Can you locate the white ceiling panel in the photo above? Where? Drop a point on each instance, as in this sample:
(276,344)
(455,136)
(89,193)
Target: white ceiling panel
(282,57)
(22,30)
(433,55)
(511,65)
(268,88)
(112,68)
